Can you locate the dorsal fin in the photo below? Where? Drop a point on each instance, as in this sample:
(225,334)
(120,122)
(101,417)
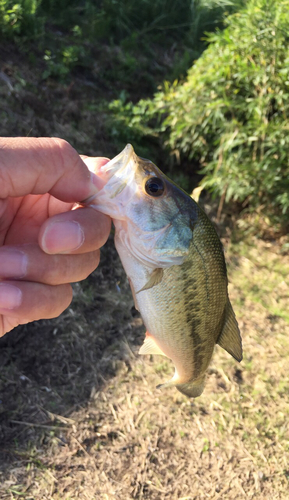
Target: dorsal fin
(230,337)
(150,347)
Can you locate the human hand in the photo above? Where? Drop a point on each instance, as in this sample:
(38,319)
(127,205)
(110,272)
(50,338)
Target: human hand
(45,243)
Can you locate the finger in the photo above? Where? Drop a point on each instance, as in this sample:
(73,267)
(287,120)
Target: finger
(77,231)
(7,324)
(33,301)
(30,263)
(41,165)
(94,164)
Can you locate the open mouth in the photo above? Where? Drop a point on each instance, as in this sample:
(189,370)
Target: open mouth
(116,175)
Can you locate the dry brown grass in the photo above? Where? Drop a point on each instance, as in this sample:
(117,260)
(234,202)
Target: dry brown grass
(80,417)
(118,437)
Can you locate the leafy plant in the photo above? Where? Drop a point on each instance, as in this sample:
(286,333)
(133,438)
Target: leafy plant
(60,63)
(19,18)
(232,113)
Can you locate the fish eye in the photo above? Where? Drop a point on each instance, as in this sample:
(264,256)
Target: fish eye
(154,186)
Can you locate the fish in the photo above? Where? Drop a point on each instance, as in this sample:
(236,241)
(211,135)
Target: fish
(175,265)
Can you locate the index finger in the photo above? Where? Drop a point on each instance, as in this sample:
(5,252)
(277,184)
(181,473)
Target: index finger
(44,165)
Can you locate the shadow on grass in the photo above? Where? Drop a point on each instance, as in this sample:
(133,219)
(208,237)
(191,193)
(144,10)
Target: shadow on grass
(50,368)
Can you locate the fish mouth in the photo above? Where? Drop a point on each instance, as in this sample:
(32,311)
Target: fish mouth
(117,175)
(117,166)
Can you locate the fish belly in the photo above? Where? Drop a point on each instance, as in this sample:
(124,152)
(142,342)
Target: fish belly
(175,314)
(183,312)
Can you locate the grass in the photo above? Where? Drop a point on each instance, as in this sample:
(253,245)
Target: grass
(262,280)
(80,415)
(126,439)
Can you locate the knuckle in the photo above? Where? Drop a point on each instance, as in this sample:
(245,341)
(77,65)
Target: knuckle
(55,270)
(65,151)
(59,300)
(64,269)
(61,144)
(69,160)
(91,262)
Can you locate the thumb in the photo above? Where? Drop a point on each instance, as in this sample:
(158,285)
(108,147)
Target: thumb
(44,165)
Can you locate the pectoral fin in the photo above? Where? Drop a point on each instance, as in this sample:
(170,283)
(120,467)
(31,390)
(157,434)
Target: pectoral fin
(154,279)
(150,347)
(230,337)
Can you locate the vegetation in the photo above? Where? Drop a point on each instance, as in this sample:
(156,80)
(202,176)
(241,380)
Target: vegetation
(229,118)
(80,417)
(113,20)
(68,33)
(231,115)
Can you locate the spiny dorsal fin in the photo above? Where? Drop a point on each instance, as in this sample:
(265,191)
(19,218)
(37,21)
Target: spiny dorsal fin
(150,347)
(154,279)
(230,337)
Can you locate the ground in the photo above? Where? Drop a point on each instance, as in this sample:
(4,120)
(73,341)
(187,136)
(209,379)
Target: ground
(80,415)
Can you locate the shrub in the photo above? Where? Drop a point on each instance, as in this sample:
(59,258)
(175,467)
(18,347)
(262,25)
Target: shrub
(232,112)
(19,18)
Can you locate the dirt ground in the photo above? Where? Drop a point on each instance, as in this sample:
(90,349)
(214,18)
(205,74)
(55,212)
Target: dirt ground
(80,415)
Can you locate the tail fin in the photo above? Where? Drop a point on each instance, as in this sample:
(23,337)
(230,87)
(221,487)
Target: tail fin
(194,388)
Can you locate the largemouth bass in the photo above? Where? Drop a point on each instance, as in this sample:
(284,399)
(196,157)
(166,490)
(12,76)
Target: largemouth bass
(175,264)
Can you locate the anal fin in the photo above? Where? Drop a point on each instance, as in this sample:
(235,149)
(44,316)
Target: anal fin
(150,347)
(230,337)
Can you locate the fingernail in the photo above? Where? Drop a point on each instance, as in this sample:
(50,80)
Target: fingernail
(62,237)
(13,263)
(10,296)
(97,182)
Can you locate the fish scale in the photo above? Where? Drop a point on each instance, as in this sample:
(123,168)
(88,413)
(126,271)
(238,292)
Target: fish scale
(175,264)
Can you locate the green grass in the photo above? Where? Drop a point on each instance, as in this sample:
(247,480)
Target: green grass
(262,277)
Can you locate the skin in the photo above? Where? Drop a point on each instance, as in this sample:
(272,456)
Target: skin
(46,240)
